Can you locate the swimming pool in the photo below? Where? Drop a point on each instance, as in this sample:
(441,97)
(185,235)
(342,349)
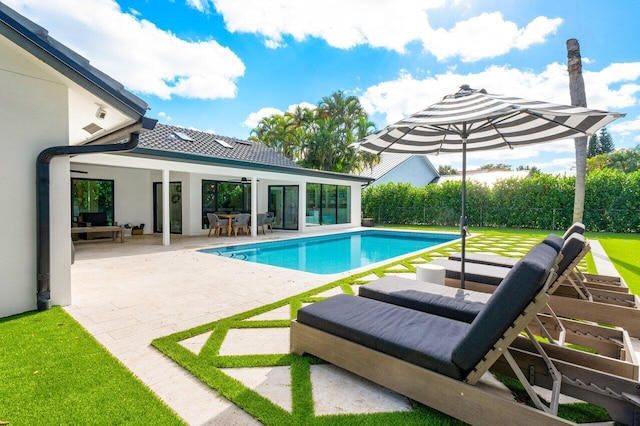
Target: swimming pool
(331,254)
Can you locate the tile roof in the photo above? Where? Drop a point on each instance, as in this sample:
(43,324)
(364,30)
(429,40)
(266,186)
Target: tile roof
(164,138)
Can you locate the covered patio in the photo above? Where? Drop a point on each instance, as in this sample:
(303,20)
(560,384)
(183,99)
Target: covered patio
(176,176)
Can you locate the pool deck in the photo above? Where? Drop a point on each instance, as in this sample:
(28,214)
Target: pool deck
(128,294)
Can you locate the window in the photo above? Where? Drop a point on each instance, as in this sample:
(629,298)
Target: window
(328,204)
(224,197)
(92,195)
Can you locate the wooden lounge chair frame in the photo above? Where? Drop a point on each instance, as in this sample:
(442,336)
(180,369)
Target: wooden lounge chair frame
(577,300)
(611,381)
(460,399)
(615,354)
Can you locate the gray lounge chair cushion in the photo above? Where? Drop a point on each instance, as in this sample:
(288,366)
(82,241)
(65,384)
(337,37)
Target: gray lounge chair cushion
(516,291)
(444,306)
(486,259)
(486,274)
(577,227)
(503,261)
(554,241)
(570,250)
(416,337)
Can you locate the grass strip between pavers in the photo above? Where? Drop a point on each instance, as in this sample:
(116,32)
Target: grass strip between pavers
(208,363)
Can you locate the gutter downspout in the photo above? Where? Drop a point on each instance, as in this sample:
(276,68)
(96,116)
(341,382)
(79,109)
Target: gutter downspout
(43,197)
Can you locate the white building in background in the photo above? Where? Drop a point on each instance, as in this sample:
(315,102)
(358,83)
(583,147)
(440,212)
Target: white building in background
(416,170)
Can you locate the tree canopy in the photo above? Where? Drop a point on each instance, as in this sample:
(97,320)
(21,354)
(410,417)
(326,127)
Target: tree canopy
(447,170)
(321,138)
(600,144)
(625,160)
(495,167)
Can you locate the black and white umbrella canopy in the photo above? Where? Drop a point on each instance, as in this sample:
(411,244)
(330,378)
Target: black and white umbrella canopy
(474,120)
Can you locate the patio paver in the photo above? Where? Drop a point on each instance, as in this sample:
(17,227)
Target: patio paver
(129,295)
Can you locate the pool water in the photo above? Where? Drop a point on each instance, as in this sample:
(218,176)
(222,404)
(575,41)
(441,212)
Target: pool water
(331,254)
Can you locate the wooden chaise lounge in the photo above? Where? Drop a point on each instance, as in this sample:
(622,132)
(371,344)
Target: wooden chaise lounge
(434,359)
(570,297)
(609,377)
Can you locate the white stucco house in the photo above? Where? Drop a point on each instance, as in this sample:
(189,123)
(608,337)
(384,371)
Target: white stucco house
(70,130)
(416,170)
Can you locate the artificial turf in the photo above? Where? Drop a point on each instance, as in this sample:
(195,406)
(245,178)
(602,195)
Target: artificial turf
(54,372)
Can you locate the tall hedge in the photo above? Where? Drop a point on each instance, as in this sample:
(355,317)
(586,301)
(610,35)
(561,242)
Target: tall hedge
(612,202)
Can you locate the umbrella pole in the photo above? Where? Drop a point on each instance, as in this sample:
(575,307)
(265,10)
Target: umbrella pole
(463,214)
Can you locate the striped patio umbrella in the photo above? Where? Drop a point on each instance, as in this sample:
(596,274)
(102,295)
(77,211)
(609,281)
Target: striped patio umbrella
(474,120)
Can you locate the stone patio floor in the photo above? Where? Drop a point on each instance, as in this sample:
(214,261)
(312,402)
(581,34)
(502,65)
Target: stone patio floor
(126,295)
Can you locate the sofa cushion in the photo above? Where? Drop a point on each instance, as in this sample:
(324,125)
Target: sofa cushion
(416,337)
(95,218)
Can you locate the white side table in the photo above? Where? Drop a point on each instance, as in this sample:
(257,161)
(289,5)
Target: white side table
(430,273)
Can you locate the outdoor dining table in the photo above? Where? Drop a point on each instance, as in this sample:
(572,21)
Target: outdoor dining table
(229,216)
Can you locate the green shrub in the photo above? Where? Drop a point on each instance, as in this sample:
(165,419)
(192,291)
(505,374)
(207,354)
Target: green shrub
(539,201)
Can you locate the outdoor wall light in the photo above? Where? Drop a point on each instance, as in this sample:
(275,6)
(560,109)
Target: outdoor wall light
(101,113)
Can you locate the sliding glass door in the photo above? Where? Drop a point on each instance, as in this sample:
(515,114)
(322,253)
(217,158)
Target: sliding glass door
(283,202)
(175,207)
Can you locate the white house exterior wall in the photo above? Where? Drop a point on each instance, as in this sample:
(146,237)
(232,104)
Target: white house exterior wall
(191,176)
(33,116)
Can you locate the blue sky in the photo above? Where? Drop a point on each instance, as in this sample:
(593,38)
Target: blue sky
(221,65)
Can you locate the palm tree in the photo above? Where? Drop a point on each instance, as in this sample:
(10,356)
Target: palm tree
(578,98)
(321,138)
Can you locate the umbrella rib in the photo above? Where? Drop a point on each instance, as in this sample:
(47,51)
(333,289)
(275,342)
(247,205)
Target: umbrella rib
(555,122)
(397,139)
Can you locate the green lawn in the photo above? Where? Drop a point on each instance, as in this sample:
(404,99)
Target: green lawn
(54,372)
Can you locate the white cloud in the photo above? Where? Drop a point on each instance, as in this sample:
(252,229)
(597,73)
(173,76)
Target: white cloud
(201,5)
(164,116)
(383,24)
(564,165)
(487,36)
(608,89)
(627,129)
(143,57)
(255,117)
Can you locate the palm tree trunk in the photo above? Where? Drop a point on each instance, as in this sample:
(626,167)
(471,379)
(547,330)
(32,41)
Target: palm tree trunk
(578,98)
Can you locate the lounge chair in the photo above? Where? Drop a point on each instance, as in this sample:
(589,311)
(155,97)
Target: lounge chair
(570,297)
(216,224)
(575,277)
(433,359)
(584,375)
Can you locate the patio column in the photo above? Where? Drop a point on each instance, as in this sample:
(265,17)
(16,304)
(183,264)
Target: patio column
(166,220)
(254,207)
